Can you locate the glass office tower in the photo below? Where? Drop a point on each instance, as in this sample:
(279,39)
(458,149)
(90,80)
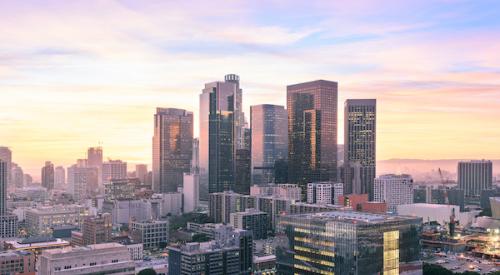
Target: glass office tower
(269,140)
(344,242)
(221,132)
(312,132)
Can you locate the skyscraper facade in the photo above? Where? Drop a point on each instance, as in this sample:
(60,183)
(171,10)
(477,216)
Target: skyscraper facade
(48,175)
(113,169)
(60,177)
(172,148)
(3,187)
(141,172)
(6,156)
(221,132)
(312,132)
(475,176)
(94,160)
(394,190)
(269,140)
(360,146)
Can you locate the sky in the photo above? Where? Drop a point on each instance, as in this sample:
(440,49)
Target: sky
(75,74)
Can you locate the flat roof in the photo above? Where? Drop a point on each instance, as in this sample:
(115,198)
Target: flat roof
(352,217)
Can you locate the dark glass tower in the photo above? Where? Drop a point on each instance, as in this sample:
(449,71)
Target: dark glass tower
(221,132)
(269,140)
(172,148)
(312,132)
(360,145)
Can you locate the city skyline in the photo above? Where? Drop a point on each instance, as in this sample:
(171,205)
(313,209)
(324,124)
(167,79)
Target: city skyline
(49,83)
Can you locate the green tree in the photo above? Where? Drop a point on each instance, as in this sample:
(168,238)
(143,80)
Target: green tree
(147,271)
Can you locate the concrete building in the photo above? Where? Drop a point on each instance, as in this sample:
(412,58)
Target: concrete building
(285,191)
(8,222)
(17,176)
(360,132)
(40,220)
(475,176)
(394,190)
(95,160)
(36,244)
(344,242)
(312,132)
(60,177)
(172,148)
(141,172)
(48,175)
(151,234)
(107,258)
(232,255)
(221,132)
(269,129)
(251,220)
(17,262)
(97,229)
(495,207)
(113,169)
(6,156)
(191,192)
(83,181)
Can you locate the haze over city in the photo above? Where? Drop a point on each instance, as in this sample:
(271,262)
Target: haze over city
(74,75)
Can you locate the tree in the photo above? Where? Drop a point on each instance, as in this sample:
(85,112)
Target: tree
(147,271)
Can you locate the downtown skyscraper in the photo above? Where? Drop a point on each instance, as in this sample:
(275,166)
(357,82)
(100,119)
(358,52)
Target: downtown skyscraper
(269,140)
(312,132)
(48,175)
(360,146)
(475,176)
(221,132)
(172,148)
(6,156)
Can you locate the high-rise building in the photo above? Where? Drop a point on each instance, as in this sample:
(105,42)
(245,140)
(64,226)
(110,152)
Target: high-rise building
(221,132)
(191,192)
(113,169)
(48,175)
(344,242)
(97,229)
(60,177)
(312,132)
(94,160)
(141,172)
(360,145)
(17,175)
(252,220)
(394,190)
(242,170)
(475,176)
(105,258)
(4,173)
(6,156)
(82,180)
(269,128)
(172,148)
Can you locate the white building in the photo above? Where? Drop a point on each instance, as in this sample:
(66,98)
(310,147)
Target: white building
(319,193)
(439,213)
(40,220)
(106,258)
(191,192)
(394,190)
(285,191)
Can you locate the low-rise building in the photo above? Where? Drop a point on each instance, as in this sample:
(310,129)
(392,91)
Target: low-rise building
(17,262)
(152,234)
(106,258)
(40,220)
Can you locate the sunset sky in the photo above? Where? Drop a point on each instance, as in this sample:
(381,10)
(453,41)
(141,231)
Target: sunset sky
(76,73)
